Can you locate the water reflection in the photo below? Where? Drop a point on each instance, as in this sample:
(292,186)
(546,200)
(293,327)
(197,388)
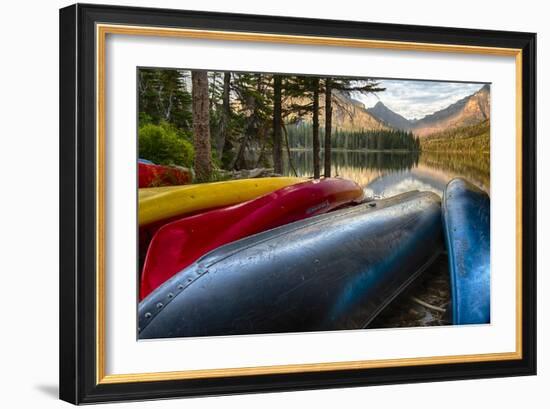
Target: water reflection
(384,174)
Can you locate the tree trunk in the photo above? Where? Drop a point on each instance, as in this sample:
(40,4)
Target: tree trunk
(290,165)
(328,126)
(250,131)
(225,117)
(201,126)
(316,147)
(277,119)
(213,90)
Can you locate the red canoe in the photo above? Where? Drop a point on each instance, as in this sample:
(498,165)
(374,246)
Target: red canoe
(178,244)
(159,175)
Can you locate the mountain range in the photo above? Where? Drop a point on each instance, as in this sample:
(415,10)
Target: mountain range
(349,114)
(467,111)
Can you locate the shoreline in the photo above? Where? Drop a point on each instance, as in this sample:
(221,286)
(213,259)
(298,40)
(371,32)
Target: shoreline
(358,150)
(393,151)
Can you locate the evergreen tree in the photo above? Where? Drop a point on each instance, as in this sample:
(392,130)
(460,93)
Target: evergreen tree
(163,96)
(277,124)
(328,126)
(254,95)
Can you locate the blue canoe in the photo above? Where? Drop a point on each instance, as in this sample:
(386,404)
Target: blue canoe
(466,222)
(146,161)
(331,272)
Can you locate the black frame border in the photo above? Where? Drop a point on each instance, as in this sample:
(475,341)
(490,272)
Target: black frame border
(78,197)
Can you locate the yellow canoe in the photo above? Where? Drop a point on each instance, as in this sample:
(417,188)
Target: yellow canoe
(158,203)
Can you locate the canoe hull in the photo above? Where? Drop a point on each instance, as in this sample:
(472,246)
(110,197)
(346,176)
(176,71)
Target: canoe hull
(466,220)
(178,244)
(330,272)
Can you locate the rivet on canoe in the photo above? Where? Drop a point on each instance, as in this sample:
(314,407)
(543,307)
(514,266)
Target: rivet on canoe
(180,287)
(148,315)
(170,295)
(160,305)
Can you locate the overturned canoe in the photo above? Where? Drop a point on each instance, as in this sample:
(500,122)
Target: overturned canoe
(466,221)
(151,175)
(178,244)
(161,203)
(330,272)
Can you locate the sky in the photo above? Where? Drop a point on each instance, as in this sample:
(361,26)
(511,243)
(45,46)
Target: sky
(416,99)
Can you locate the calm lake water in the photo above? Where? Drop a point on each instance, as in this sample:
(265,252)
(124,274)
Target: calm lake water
(385,174)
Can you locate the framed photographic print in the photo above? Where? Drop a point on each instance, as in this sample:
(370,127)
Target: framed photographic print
(257,203)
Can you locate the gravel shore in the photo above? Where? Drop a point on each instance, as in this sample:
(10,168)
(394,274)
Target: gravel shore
(431,288)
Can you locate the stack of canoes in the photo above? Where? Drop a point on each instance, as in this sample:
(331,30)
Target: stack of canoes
(288,254)
(159,206)
(179,243)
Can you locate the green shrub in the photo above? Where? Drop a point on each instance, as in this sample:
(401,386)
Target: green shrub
(164,145)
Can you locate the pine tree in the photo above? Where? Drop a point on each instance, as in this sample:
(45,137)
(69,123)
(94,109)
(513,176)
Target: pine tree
(163,97)
(315,133)
(328,126)
(277,125)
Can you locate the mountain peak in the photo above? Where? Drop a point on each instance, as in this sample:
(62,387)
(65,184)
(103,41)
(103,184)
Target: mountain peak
(391,118)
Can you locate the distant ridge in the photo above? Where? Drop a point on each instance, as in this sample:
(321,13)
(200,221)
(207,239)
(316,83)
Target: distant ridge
(469,110)
(348,114)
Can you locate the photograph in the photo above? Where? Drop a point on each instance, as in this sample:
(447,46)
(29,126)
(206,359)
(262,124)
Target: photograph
(258,203)
(280,202)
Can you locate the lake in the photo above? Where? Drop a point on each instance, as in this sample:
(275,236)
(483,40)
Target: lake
(385,174)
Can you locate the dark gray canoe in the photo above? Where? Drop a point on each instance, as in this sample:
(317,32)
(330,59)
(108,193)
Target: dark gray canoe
(331,272)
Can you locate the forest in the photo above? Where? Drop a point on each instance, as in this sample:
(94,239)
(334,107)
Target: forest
(466,139)
(299,136)
(221,121)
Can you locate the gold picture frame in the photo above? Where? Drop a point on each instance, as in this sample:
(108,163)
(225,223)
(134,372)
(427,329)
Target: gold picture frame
(105,21)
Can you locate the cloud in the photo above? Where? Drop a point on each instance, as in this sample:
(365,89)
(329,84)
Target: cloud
(416,99)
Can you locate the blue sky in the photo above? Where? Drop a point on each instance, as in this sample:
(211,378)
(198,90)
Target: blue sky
(416,99)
